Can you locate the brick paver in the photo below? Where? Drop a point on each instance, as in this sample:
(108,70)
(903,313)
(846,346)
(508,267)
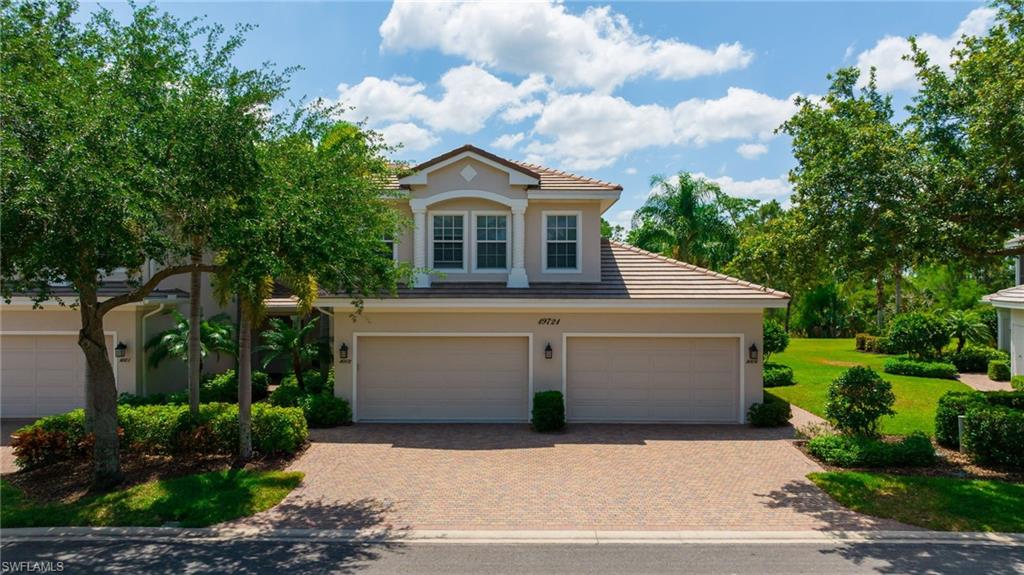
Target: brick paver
(606,477)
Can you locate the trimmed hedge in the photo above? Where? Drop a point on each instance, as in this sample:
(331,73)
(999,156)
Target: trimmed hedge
(322,410)
(878,344)
(223,387)
(314,383)
(777,375)
(995,434)
(914,450)
(922,335)
(956,403)
(130,399)
(974,358)
(999,370)
(548,411)
(163,429)
(1017,382)
(903,365)
(860,340)
(774,412)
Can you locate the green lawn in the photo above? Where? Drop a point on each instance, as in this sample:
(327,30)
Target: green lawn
(942,503)
(816,362)
(192,500)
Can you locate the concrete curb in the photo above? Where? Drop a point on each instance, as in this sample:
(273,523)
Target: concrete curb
(584,537)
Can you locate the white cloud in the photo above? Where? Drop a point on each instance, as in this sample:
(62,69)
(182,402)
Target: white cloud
(470,96)
(751,151)
(412,137)
(895,73)
(590,131)
(764,189)
(622,218)
(508,141)
(597,49)
(630,171)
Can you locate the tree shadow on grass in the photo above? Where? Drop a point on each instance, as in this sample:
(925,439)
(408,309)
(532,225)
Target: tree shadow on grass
(807,499)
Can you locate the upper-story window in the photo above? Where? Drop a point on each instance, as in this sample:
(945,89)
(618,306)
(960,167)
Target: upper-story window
(491,242)
(561,246)
(448,241)
(389,249)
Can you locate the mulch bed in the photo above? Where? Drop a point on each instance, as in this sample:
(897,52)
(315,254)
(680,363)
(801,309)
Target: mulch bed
(70,480)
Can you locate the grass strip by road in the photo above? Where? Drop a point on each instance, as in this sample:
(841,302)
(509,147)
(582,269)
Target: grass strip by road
(192,500)
(816,362)
(939,503)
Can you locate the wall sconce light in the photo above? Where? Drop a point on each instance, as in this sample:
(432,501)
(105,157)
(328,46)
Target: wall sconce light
(120,350)
(752,353)
(548,352)
(343,351)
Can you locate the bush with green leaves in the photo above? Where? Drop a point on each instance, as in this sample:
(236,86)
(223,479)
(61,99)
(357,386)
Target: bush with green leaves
(952,405)
(777,375)
(914,450)
(974,358)
(322,410)
(50,439)
(773,412)
(176,398)
(919,334)
(1017,382)
(903,365)
(860,340)
(776,339)
(313,381)
(994,434)
(223,387)
(857,399)
(999,370)
(548,411)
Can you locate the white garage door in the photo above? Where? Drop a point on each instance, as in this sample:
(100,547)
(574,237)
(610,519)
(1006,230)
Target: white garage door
(442,378)
(41,374)
(650,379)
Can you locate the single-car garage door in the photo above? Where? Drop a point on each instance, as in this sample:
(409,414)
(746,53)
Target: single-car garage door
(433,378)
(41,374)
(651,379)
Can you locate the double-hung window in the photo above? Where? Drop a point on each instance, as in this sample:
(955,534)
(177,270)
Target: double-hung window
(561,241)
(491,242)
(449,244)
(388,249)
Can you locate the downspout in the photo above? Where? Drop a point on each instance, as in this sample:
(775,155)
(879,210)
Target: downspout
(145,368)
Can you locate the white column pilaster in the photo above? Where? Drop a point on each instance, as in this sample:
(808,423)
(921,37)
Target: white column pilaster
(419,247)
(517,275)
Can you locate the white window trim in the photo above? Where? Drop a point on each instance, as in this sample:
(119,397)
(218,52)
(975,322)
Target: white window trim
(544,241)
(430,236)
(508,240)
(394,247)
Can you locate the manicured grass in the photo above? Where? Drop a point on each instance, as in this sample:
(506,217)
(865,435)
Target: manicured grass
(192,500)
(816,362)
(942,503)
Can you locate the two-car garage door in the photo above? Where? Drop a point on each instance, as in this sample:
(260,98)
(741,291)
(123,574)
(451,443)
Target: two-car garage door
(41,374)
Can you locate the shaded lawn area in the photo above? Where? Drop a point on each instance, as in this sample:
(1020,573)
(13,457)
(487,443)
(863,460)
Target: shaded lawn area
(941,503)
(193,500)
(816,362)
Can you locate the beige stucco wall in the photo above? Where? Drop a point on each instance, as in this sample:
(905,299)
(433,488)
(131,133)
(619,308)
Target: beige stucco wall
(1017,342)
(547,373)
(449,179)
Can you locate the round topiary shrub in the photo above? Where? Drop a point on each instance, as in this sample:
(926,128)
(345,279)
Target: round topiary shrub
(857,399)
(919,334)
(776,375)
(999,370)
(324,410)
(776,339)
(774,412)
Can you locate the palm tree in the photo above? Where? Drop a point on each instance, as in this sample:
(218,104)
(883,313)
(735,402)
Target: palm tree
(686,218)
(965,326)
(216,335)
(284,340)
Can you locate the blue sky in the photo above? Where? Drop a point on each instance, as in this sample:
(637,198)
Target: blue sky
(615,91)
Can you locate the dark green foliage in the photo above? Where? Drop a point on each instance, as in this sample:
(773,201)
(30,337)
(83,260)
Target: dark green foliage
(995,434)
(548,411)
(919,334)
(774,412)
(951,405)
(974,358)
(999,370)
(1011,399)
(1017,382)
(914,450)
(224,387)
(860,339)
(323,410)
(286,396)
(178,397)
(879,344)
(857,399)
(50,439)
(313,380)
(776,339)
(216,335)
(903,365)
(776,375)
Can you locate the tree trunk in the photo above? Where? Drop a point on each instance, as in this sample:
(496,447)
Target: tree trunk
(960,341)
(898,288)
(880,302)
(245,385)
(194,345)
(100,392)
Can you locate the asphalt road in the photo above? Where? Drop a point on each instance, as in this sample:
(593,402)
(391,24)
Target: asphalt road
(281,557)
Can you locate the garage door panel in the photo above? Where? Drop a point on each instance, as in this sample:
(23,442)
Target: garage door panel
(41,374)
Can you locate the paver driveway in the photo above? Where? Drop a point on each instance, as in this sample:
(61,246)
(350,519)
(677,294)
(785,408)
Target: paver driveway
(603,477)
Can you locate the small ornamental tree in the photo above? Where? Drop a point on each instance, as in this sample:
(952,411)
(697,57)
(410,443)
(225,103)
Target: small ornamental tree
(857,399)
(919,334)
(776,339)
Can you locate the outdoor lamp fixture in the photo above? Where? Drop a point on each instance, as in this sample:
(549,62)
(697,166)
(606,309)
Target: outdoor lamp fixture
(343,351)
(548,352)
(120,350)
(752,353)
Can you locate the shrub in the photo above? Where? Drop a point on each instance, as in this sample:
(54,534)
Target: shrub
(919,334)
(50,439)
(1017,382)
(952,405)
(322,410)
(860,340)
(286,396)
(774,412)
(857,399)
(776,340)
(999,370)
(1011,399)
(776,375)
(176,398)
(974,358)
(885,345)
(276,429)
(223,387)
(312,381)
(914,450)
(548,411)
(903,365)
(995,434)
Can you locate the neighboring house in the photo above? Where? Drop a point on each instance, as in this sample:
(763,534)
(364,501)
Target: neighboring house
(525,296)
(1009,304)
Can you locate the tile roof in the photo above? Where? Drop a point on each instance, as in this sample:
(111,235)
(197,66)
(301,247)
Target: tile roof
(111,289)
(1014,295)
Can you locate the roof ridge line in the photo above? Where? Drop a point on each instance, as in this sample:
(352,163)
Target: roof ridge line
(687,265)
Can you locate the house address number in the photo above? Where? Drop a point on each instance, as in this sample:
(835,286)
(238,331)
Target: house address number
(549,321)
